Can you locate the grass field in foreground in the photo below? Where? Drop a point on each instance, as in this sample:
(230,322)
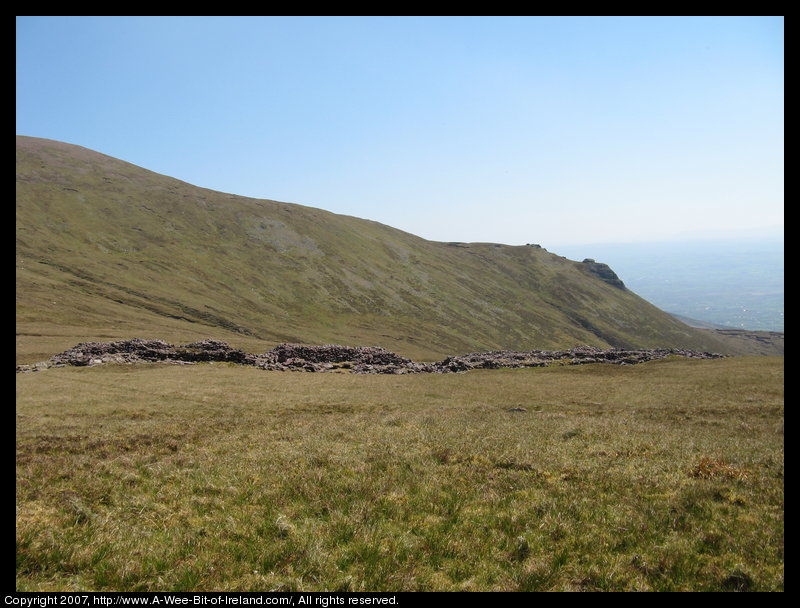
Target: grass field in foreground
(665,476)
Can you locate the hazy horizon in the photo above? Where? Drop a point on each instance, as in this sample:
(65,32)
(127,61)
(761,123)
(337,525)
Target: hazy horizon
(736,283)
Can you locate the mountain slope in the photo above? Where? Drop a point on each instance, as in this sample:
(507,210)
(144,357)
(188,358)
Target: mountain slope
(106,249)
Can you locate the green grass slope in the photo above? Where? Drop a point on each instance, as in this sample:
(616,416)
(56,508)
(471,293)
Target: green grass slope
(106,249)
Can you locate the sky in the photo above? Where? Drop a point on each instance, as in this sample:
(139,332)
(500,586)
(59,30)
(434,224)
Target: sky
(548,130)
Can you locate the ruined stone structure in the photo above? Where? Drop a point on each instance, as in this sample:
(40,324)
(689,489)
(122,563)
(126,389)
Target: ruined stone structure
(335,357)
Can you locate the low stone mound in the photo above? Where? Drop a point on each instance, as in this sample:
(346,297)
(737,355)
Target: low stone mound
(336,353)
(139,350)
(575,356)
(359,359)
(128,351)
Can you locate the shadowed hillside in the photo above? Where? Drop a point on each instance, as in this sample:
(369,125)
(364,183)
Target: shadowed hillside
(108,250)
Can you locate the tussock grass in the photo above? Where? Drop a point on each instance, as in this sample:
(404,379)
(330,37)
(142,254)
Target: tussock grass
(667,476)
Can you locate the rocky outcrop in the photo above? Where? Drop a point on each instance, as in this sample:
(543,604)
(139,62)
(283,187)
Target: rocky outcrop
(335,357)
(604,272)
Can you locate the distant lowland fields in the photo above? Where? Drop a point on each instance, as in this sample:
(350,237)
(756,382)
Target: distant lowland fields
(715,283)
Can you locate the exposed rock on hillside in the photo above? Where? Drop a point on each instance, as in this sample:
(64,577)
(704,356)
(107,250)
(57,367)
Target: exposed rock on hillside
(332,357)
(604,272)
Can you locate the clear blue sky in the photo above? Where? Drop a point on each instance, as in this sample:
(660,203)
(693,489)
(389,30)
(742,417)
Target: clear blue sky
(552,130)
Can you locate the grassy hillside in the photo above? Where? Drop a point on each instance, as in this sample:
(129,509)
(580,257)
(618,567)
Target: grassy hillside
(109,250)
(664,476)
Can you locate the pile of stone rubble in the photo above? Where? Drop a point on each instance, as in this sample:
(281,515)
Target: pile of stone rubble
(334,357)
(574,356)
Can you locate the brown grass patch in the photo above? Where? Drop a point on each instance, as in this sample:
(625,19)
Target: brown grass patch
(709,468)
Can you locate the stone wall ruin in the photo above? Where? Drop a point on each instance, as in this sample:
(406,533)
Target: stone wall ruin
(335,357)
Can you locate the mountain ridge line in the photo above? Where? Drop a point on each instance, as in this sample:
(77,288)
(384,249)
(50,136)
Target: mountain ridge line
(106,249)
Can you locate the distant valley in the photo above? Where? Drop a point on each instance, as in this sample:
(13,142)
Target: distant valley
(725,283)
